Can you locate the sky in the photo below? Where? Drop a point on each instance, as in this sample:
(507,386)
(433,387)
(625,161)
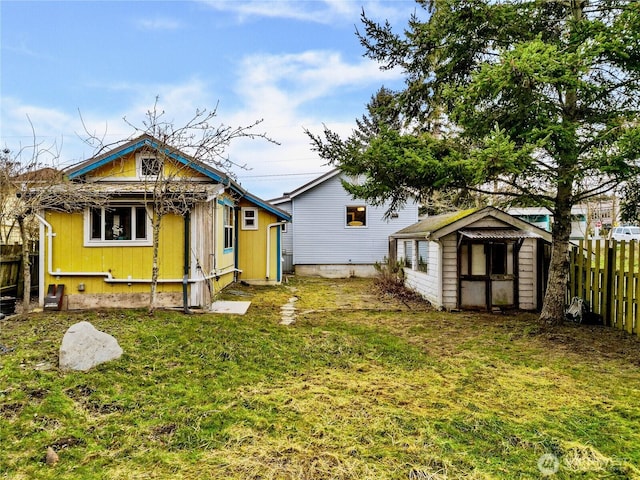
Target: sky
(68,68)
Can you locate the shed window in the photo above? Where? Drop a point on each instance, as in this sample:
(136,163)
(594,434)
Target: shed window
(498,259)
(407,259)
(356,216)
(117,225)
(423,255)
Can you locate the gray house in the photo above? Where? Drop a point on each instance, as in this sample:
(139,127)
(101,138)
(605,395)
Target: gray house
(333,235)
(475,259)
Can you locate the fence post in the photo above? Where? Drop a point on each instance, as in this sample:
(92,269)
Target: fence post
(619,274)
(607,297)
(628,289)
(596,307)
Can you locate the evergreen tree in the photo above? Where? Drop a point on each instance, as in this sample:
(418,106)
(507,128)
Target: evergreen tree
(540,100)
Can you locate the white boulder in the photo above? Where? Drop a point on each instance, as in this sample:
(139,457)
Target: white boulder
(83,347)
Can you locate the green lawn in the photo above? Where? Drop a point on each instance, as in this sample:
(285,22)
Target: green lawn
(360,387)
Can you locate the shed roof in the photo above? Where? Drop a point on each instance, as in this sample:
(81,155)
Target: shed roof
(432,223)
(437,226)
(498,234)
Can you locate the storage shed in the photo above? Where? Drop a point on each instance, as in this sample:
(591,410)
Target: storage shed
(480,259)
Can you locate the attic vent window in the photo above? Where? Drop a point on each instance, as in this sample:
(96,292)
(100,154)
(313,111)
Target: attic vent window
(149,166)
(249,218)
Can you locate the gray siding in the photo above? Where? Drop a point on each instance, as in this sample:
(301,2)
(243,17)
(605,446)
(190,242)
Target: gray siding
(321,237)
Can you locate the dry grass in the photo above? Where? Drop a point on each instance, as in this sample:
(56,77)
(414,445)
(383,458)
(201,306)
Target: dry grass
(362,386)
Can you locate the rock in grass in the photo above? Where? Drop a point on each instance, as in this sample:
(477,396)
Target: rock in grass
(83,347)
(51,458)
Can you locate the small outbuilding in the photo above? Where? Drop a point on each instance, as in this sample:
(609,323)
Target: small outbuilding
(482,259)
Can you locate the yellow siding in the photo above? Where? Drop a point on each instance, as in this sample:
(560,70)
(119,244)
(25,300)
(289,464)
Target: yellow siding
(253,249)
(125,167)
(70,255)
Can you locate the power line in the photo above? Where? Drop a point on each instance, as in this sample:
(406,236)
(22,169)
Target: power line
(281,175)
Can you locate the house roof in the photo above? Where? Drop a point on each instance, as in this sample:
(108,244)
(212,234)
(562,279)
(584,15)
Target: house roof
(288,196)
(148,141)
(437,226)
(41,175)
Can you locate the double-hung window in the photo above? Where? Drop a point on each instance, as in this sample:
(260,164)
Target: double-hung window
(118,225)
(228,227)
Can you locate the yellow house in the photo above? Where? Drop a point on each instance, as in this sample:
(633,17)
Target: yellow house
(102,253)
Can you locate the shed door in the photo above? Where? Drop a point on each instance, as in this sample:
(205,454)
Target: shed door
(487,276)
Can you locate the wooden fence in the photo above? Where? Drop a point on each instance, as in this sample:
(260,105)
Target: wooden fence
(11,278)
(606,274)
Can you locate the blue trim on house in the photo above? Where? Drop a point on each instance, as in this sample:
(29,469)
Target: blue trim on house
(105,160)
(205,170)
(266,206)
(227,250)
(225,202)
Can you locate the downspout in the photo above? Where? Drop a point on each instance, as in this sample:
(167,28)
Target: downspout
(185,279)
(269,245)
(50,236)
(41,265)
(108,277)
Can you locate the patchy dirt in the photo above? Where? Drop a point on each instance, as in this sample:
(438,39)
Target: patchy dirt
(595,341)
(590,342)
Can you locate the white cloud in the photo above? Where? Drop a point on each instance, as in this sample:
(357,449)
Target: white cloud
(70,131)
(318,11)
(158,23)
(290,80)
(289,91)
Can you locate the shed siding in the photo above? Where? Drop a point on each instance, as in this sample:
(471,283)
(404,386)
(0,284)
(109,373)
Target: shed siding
(321,237)
(527,275)
(426,283)
(449,271)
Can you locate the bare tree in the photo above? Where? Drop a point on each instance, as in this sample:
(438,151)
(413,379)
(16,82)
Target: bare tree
(199,141)
(8,170)
(33,183)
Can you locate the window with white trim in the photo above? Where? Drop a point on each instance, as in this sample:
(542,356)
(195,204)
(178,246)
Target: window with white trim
(249,218)
(422,255)
(356,216)
(407,257)
(118,225)
(228,226)
(147,165)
